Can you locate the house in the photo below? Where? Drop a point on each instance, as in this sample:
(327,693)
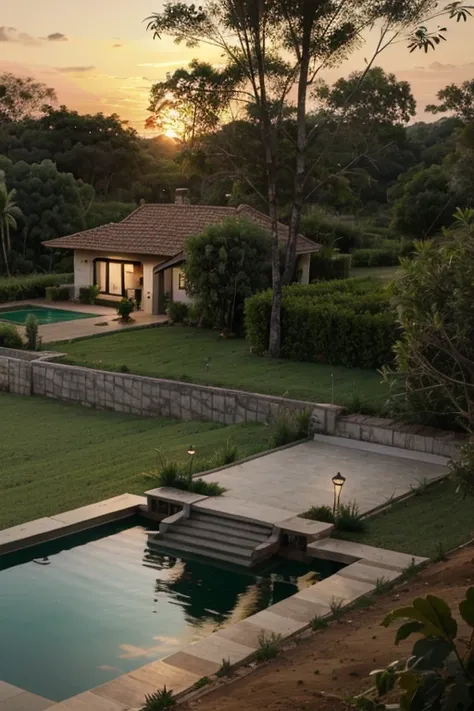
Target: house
(146,250)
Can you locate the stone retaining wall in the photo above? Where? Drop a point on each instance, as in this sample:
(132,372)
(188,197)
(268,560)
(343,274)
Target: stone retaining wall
(152,397)
(155,397)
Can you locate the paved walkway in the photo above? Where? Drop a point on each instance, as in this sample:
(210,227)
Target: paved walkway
(299,477)
(103,321)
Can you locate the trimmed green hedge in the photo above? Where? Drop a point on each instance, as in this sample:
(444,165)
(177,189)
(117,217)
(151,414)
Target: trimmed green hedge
(350,326)
(30,287)
(326,268)
(376,257)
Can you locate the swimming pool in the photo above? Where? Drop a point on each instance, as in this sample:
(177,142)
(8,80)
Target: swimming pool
(18,314)
(78,612)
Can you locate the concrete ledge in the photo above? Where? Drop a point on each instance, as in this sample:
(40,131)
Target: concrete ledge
(50,528)
(382,448)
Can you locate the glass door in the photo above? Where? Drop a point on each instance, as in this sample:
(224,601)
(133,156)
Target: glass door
(115,279)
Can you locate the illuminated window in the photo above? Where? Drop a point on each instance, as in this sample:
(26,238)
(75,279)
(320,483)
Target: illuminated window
(181,281)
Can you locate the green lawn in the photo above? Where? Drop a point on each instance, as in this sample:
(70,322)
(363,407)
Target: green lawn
(420,524)
(382,273)
(182,353)
(56,457)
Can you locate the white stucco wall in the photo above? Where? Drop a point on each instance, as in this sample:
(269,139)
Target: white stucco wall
(84,271)
(179,294)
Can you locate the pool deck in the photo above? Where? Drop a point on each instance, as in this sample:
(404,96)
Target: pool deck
(104,321)
(365,568)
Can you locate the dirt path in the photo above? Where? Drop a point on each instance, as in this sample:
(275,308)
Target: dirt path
(338,660)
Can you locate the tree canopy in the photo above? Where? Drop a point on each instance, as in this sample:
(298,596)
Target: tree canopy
(22,98)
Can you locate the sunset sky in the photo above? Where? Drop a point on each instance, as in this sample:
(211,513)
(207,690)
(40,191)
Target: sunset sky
(99,57)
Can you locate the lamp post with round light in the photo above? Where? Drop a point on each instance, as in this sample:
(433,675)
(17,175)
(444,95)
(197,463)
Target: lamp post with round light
(191,452)
(338,482)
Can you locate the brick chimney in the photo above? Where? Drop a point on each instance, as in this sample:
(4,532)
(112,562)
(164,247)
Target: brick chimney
(181,196)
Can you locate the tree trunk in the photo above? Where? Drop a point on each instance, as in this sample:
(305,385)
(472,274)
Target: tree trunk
(4,246)
(301,145)
(275,318)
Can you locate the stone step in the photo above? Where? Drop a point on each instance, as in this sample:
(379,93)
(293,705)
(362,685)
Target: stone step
(217,528)
(223,536)
(233,523)
(166,543)
(208,546)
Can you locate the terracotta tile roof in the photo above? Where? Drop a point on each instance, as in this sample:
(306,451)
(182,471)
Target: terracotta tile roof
(162,229)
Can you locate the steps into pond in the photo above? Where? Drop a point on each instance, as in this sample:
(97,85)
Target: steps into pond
(215,536)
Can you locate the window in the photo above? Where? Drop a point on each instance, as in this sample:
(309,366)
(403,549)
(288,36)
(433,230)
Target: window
(117,277)
(181,281)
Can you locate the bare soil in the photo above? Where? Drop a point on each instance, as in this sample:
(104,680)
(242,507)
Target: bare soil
(322,668)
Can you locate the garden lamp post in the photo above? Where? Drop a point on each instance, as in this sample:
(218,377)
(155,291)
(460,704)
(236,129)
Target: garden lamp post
(191,452)
(338,482)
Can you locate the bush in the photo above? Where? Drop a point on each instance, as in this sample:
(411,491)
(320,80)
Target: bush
(31,330)
(319,513)
(30,287)
(224,265)
(177,311)
(125,308)
(57,293)
(88,294)
(160,700)
(331,231)
(349,519)
(9,336)
(289,427)
(462,470)
(324,267)
(343,323)
(226,455)
(377,257)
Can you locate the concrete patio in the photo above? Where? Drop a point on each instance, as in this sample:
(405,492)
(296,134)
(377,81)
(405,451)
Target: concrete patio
(299,477)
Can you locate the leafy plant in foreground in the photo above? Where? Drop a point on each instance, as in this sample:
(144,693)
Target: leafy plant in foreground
(267,646)
(225,669)
(439,675)
(159,701)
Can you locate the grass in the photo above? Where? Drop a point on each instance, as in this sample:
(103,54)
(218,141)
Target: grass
(57,456)
(201,356)
(383,273)
(420,524)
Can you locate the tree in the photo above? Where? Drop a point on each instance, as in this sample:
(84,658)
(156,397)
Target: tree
(23,98)
(9,212)
(462,171)
(277,45)
(458,99)
(423,201)
(434,373)
(191,100)
(377,98)
(224,265)
(52,205)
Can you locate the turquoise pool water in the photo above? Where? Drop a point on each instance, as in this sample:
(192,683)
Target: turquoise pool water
(18,315)
(103,604)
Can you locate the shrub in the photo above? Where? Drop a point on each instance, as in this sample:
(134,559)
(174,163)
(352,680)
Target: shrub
(322,267)
(159,701)
(88,294)
(125,308)
(377,257)
(349,519)
(177,311)
(31,331)
(319,623)
(462,470)
(30,287)
(289,427)
(267,646)
(225,669)
(226,455)
(330,230)
(57,293)
(206,488)
(225,264)
(319,513)
(9,336)
(343,323)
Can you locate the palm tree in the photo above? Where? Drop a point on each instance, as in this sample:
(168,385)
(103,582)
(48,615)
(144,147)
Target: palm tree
(9,213)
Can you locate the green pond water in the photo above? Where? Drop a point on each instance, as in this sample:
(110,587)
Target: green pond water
(79,612)
(18,315)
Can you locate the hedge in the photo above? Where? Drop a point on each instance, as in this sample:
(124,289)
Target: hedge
(30,287)
(9,336)
(376,257)
(327,268)
(342,328)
